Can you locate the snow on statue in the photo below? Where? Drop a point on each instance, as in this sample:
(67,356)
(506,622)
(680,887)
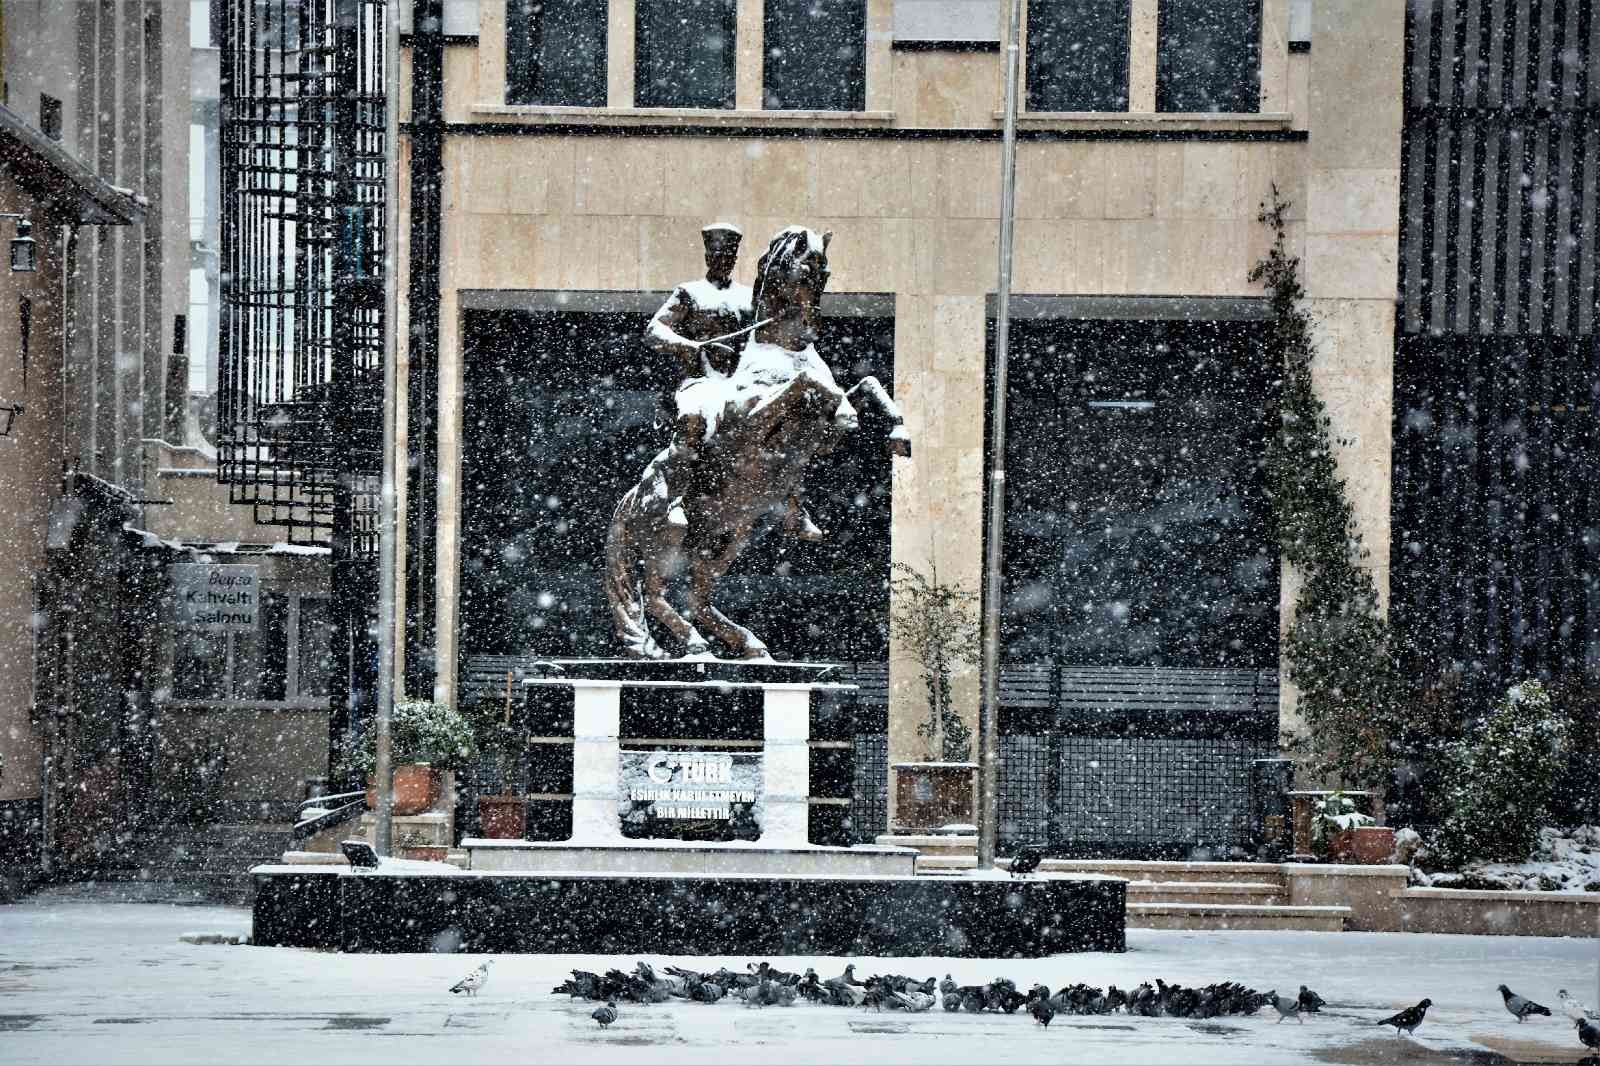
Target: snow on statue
(745,430)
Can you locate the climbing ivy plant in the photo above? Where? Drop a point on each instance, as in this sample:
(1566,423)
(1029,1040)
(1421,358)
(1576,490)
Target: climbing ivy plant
(1339,647)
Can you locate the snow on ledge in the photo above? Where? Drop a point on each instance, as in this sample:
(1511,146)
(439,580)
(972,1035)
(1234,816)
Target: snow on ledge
(1587,899)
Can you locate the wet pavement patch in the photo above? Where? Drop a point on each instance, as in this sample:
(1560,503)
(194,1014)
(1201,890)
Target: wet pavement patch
(1381,1052)
(10,1023)
(356,1021)
(120,1021)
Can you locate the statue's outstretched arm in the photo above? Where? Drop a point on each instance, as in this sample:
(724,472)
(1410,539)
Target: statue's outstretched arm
(662,333)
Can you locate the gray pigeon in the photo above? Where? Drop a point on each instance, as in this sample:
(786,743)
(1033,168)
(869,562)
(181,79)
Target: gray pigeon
(1287,1008)
(1589,1033)
(1310,1002)
(948,986)
(1521,1006)
(605,1015)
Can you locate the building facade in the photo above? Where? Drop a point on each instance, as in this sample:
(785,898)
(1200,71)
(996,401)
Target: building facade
(580,148)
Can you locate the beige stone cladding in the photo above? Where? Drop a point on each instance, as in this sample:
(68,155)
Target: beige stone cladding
(917,218)
(1134,204)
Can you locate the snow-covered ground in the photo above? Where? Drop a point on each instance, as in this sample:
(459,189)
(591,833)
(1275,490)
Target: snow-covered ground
(111,982)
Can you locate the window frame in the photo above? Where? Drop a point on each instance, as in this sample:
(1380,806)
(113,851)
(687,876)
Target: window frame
(294,687)
(517,78)
(859,103)
(642,52)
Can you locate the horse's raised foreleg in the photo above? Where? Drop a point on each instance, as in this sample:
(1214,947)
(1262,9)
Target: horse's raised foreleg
(868,391)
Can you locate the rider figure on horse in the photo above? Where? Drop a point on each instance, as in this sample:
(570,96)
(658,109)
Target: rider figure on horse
(704,324)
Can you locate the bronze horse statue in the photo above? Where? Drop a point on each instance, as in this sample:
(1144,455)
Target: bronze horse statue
(694,510)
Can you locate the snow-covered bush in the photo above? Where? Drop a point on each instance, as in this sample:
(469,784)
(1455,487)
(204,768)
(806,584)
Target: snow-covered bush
(420,731)
(1499,781)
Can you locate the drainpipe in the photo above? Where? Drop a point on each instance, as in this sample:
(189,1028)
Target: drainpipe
(989,712)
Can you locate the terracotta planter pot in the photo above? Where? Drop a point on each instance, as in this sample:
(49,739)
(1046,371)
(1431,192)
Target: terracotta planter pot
(503,817)
(426,852)
(416,788)
(1367,845)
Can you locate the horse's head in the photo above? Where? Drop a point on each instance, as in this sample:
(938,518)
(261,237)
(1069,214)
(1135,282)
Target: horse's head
(792,274)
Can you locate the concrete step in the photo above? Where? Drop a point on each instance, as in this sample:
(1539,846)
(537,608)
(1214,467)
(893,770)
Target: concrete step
(1166,870)
(1253,893)
(1196,916)
(931,843)
(931,864)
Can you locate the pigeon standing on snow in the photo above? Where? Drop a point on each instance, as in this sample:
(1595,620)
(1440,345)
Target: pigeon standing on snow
(1574,1008)
(1589,1033)
(1310,1002)
(605,1015)
(1409,1018)
(949,987)
(474,980)
(1026,861)
(1521,1006)
(1287,1008)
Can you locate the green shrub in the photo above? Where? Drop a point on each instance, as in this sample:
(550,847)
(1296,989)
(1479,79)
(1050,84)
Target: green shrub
(420,731)
(1499,780)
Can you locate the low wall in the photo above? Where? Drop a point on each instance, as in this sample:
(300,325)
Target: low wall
(1457,910)
(340,909)
(1367,890)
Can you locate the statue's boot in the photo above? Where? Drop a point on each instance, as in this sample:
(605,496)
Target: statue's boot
(798,524)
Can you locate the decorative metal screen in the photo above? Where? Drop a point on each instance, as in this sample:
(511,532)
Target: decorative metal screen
(300,403)
(869,802)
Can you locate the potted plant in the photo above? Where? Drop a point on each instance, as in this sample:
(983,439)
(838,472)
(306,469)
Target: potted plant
(1341,833)
(502,815)
(936,623)
(424,738)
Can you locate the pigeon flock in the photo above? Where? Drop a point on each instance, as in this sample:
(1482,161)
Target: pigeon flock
(763,985)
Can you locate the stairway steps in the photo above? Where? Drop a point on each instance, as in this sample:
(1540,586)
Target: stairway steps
(1194,916)
(1258,893)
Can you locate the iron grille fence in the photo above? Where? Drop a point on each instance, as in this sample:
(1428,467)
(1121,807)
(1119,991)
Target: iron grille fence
(300,402)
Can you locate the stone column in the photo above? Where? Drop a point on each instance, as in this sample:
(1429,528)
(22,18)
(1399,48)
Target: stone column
(786,775)
(596,725)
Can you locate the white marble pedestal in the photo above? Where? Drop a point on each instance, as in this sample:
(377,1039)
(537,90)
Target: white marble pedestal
(597,745)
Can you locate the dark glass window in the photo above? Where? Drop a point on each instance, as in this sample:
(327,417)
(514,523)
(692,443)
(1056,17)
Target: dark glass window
(1137,526)
(684,53)
(816,55)
(556,52)
(316,646)
(559,422)
(1078,55)
(200,666)
(1208,55)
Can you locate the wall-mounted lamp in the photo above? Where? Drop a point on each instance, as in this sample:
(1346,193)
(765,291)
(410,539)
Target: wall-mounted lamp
(24,249)
(8,417)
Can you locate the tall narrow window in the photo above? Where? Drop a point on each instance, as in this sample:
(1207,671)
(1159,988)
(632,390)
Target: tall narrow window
(816,55)
(1208,55)
(24,335)
(1078,55)
(683,53)
(50,116)
(556,52)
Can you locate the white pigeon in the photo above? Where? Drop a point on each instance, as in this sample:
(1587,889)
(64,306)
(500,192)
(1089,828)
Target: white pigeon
(474,980)
(912,1000)
(1575,1009)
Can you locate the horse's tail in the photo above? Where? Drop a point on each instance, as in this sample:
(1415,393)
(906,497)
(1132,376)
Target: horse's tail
(624,588)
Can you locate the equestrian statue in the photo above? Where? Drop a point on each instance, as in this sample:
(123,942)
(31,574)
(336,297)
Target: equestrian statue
(754,406)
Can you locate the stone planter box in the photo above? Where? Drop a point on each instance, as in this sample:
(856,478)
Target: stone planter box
(503,817)
(425,852)
(1367,845)
(929,795)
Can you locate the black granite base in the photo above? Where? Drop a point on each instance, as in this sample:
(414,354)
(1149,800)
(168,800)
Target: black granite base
(665,915)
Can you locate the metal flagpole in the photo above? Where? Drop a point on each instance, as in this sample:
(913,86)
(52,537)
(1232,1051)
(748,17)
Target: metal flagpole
(386,501)
(989,713)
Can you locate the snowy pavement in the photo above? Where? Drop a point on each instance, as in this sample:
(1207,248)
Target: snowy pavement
(111,982)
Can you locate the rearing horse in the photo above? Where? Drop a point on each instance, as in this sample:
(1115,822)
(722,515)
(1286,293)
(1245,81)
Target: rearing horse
(766,421)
